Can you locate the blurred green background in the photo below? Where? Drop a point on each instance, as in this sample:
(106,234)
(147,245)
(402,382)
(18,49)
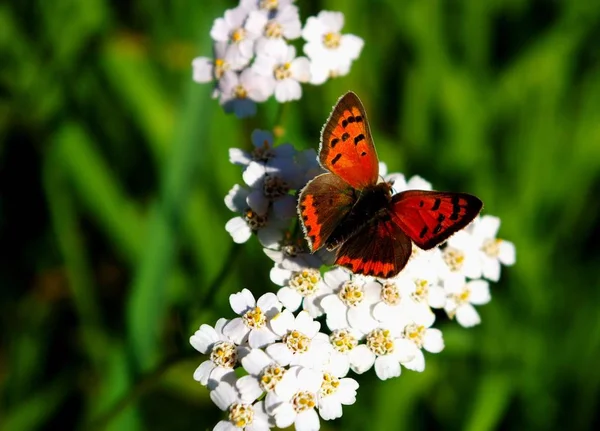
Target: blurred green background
(114,165)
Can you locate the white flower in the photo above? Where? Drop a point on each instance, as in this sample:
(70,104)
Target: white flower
(304,287)
(344,354)
(271,185)
(398,306)
(242,415)
(493,251)
(252,327)
(298,393)
(286,71)
(292,256)
(386,351)
(350,303)
(399,183)
(239,93)
(461,257)
(268,228)
(266,5)
(302,343)
(231,29)
(334,393)
(264,375)
(330,52)
(461,298)
(273,26)
(422,337)
(264,152)
(222,351)
(209,69)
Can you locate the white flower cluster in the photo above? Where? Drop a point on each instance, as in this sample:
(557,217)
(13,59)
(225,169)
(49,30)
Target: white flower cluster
(296,368)
(252,59)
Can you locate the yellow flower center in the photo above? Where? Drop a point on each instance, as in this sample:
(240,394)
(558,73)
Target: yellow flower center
(415,333)
(332,40)
(283,71)
(390,294)
(305,282)
(351,294)
(254,220)
(380,342)
(255,318)
(421,290)
(275,187)
(241,415)
(303,401)
(221,66)
(273,30)
(224,354)
(454,258)
(269,4)
(329,385)
(240,92)
(296,341)
(271,375)
(238,35)
(491,247)
(342,340)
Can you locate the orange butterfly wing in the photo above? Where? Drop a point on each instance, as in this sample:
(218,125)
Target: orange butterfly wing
(430,218)
(347,148)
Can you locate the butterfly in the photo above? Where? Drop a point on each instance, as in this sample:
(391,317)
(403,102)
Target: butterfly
(350,211)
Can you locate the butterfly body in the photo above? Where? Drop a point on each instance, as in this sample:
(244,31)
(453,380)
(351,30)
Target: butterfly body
(348,210)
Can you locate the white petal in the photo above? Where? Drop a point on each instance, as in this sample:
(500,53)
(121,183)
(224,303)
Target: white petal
(289,297)
(238,229)
(256,22)
(486,227)
(203,69)
(338,365)
(202,373)
(204,338)
(249,388)
(437,297)
(280,353)
(467,316)
(261,337)
(220,30)
(313,30)
(319,72)
(333,21)
(287,90)
(255,361)
(282,323)
(404,350)
(240,158)
(308,420)
(285,415)
(508,254)
(347,391)
(351,45)
(386,367)
(360,319)
(306,324)
(361,359)
(418,183)
(223,395)
(270,236)
(258,202)
(433,341)
(237,330)
(242,301)
(272,401)
(335,277)
(300,68)
(224,426)
(417,363)
(330,408)
(480,292)
(490,268)
(236,197)
(264,65)
(254,175)
(310,380)
(269,304)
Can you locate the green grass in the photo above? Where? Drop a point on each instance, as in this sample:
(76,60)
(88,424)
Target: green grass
(114,165)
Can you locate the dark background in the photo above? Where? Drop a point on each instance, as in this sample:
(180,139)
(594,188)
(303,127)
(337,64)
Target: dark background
(114,165)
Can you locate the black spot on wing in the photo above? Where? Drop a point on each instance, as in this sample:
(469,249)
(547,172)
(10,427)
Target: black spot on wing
(436,204)
(358,138)
(423,232)
(358,118)
(334,142)
(345,136)
(336,158)
(344,123)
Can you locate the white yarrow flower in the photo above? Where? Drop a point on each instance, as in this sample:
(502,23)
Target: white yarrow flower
(252,327)
(304,287)
(462,297)
(231,29)
(331,53)
(273,26)
(264,374)
(334,393)
(284,69)
(493,251)
(298,393)
(241,415)
(239,93)
(422,337)
(264,151)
